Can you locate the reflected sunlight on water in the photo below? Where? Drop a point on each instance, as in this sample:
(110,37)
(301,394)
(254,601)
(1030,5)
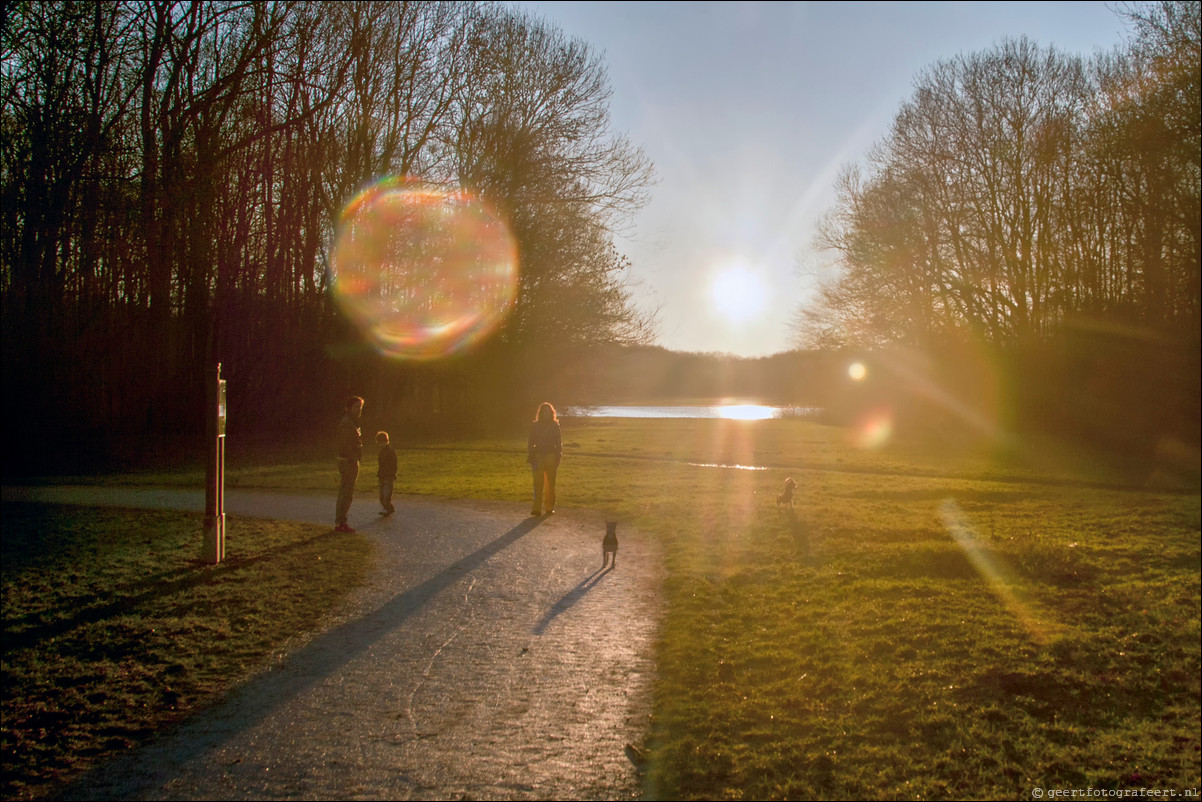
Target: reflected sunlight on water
(734,412)
(748,412)
(731,467)
(727,411)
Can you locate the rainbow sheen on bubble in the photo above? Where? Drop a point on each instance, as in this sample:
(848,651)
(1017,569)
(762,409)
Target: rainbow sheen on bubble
(423,271)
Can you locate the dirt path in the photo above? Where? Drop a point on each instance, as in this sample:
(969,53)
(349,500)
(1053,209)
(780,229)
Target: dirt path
(487,657)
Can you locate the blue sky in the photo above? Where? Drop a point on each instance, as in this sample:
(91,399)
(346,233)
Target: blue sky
(748,111)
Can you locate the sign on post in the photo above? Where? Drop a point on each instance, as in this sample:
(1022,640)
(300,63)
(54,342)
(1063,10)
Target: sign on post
(220,404)
(214,545)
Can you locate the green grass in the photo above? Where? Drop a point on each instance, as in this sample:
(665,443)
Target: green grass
(929,623)
(113,627)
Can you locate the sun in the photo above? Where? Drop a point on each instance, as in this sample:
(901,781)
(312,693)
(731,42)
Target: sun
(737,293)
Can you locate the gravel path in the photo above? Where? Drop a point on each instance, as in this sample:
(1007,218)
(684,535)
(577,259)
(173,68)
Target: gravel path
(486,657)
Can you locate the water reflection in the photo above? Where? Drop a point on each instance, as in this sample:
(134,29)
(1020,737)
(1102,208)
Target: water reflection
(731,467)
(748,412)
(727,411)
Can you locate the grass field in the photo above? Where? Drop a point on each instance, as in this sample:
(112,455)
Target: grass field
(925,624)
(113,628)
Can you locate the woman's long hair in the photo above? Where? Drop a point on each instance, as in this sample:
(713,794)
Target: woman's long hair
(546,412)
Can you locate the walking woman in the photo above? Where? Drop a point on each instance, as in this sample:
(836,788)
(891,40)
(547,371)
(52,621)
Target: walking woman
(543,451)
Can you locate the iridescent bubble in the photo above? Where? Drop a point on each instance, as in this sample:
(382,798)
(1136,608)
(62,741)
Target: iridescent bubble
(423,271)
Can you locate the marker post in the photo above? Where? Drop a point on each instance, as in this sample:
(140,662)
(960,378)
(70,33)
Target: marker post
(214,545)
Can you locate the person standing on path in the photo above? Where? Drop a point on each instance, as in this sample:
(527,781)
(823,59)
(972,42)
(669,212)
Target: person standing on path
(386,472)
(543,449)
(350,451)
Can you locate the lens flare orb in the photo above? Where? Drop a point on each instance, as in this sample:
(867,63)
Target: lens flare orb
(423,271)
(875,430)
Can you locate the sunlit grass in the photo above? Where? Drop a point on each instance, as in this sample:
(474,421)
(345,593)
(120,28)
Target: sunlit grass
(861,650)
(929,623)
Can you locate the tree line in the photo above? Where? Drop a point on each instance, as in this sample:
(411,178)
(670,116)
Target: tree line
(173,171)
(1045,206)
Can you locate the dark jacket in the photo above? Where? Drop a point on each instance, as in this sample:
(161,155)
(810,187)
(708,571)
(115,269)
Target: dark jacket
(350,444)
(387,469)
(545,438)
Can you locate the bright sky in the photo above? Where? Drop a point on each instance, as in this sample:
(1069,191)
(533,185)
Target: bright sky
(749,110)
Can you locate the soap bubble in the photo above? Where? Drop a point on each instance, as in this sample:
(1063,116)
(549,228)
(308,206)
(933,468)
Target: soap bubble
(423,271)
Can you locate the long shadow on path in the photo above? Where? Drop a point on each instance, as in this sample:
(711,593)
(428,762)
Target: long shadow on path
(570,598)
(254,702)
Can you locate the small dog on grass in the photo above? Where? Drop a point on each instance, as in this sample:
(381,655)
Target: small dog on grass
(785,498)
(609,545)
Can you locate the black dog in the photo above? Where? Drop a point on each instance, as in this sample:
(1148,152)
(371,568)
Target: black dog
(609,545)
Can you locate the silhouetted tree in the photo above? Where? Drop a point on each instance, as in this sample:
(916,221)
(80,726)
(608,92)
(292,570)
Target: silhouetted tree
(1018,189)
(1046,209)
(961,223)
(173,171)
(534,140)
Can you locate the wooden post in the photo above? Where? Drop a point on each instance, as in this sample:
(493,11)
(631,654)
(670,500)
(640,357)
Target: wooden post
(214,544)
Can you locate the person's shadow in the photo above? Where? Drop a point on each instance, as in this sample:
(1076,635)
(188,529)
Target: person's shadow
(149,767)
(570,598)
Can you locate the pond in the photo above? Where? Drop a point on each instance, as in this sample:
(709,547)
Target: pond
(728,411)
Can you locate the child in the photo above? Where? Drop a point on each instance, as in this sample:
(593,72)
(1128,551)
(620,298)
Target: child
(386,472)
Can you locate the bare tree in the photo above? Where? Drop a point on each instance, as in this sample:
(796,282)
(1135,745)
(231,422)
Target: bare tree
(173,172)
(961,221)
(535,140)
(1147,132)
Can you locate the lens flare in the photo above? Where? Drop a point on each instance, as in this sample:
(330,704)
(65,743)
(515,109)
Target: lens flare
(1000,578)
(423,271)
(876,429)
